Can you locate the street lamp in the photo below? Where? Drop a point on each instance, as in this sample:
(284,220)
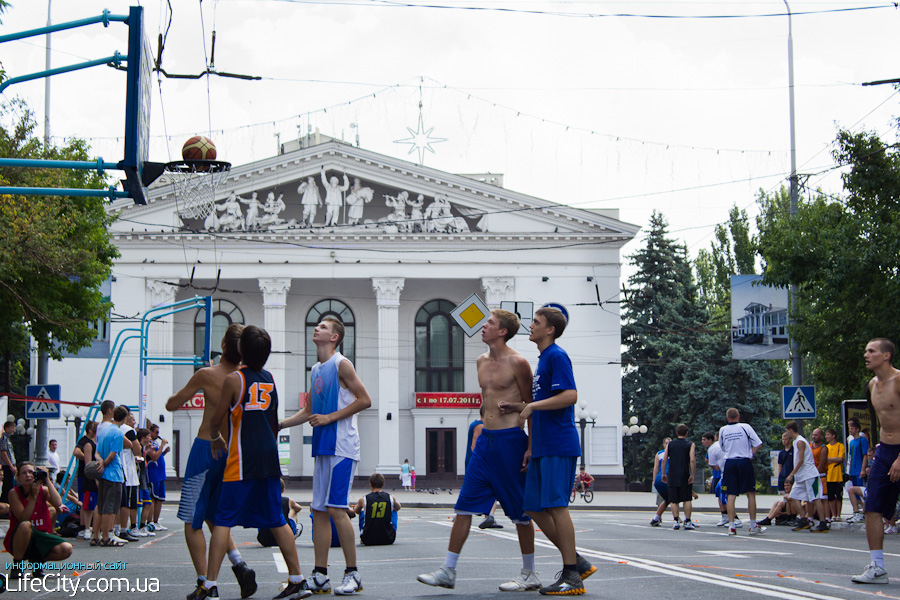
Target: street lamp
(583,417)
(632,430)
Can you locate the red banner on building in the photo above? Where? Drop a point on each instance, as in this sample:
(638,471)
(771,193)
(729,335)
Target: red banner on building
(447,400)
(197,402)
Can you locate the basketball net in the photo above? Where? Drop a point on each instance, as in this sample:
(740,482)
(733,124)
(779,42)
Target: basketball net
(194,183)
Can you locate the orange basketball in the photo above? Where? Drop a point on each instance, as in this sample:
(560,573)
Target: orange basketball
(198,148)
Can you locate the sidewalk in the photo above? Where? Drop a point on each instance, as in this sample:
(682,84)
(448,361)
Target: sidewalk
(446,499)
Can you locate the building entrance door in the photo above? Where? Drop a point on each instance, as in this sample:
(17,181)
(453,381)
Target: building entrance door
(440,454)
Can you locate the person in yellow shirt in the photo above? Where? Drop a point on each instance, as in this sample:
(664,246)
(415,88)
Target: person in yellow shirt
(835,476)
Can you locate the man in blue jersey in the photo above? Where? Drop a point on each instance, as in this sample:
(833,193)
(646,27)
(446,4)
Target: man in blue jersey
(251,487)
(555,448)
(156,474)
(337,395)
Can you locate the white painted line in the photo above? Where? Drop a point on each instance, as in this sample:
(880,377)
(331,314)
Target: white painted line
(280,565)
(762,589)
(740,553)
(157,539)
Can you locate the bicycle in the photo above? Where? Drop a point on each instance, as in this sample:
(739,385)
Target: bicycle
(587,495)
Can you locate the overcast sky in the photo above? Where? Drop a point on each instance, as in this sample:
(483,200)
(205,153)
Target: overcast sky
(685,116)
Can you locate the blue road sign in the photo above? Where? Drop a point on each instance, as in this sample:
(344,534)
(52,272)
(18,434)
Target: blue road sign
(798,401)
(42,410)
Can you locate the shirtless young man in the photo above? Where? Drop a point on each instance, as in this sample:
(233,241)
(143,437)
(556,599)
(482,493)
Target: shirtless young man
(883,486)
(203,476)
(502,451)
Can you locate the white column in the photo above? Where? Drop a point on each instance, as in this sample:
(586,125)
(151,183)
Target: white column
(275,291)
(387,297)
(160,378)
(497,290)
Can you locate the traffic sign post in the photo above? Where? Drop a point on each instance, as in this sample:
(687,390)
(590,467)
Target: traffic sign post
(523,310)
(42,410)
(471,314)
(798,401)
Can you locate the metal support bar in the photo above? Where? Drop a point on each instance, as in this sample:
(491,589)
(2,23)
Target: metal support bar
(85,165)
(105,18)
(116,58)
(26,191)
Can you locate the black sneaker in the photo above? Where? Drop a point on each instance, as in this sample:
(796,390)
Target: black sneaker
(128,537)
(15,573)
(193,595)
(201,593)
(38,574)
(822,527)
(246,578)
(792,522)
(568,584)
(490,523)
(765,522)
(802,524)
(654,522)
(584,568)
(294,591)
(782,520)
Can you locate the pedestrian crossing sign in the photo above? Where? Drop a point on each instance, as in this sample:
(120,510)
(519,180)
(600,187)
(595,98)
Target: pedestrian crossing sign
(42,410)
(471,314)
(798,401)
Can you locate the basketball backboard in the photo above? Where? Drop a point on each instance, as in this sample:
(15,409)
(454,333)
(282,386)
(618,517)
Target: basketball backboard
(137,107)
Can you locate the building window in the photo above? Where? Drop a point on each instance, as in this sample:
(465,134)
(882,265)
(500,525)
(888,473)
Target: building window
(330,308)
(439,349)
(224,313)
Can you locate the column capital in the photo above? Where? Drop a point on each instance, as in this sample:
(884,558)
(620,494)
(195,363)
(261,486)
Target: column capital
(387,290)
(498,289)
(161,292)
(274,290)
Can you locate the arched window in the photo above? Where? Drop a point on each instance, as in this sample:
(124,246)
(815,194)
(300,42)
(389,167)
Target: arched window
(439,349)
(224,314)
(332,308)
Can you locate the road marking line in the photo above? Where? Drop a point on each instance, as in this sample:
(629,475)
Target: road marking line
(762,589)
(280,565)
(159,539)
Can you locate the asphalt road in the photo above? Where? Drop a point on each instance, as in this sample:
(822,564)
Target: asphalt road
(633,560)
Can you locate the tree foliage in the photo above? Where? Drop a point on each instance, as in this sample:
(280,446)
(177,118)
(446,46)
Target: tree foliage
(844,257)
(55,251)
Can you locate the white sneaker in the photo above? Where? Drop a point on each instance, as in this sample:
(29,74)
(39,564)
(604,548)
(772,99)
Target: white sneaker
(732,531)
(872,574)
(689,525)
(527,580)
(136,532)
(145,533)
(116,538)
(737,523)
(317,583)
(350,585)
(159,527)
(722,522)
(444,577)
(891,529)
(757,530)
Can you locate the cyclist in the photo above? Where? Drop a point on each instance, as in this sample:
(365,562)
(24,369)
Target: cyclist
(583,480)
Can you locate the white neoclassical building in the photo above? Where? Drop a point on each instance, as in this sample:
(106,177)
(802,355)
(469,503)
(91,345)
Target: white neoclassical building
(391,248)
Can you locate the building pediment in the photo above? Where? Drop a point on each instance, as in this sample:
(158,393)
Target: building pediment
(334,188)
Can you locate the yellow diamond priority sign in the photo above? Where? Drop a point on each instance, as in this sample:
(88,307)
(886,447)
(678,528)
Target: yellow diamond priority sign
(471,314)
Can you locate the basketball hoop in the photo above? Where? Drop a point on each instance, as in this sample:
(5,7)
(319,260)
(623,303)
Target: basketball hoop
(194,184)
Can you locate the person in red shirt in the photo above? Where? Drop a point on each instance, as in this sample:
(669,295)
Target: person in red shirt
(30,536)
(584,479)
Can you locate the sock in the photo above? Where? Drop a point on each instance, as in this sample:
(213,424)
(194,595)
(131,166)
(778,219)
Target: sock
(322,570)
(350,570)
(733,525)
(295,578)
(450,561)
(201,578)
(528,561)
(209,584)
(752,523)
(724,513)
(877,557)
(235,557)
(568,567)
(655,518)
(116,529)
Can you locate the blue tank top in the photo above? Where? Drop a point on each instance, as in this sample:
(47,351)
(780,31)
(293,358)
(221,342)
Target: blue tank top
(253,423)
(340,438)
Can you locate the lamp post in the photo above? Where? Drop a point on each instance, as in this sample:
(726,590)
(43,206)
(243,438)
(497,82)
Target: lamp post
(632,430)
(583,417)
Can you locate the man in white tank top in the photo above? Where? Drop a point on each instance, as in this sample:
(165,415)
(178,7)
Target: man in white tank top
(807,484)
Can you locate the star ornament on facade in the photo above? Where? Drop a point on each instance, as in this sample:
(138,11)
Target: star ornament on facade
(420,140)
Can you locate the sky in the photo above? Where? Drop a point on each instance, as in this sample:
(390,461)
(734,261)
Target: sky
(687,116)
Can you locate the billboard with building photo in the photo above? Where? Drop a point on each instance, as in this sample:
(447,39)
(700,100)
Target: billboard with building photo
(759,320)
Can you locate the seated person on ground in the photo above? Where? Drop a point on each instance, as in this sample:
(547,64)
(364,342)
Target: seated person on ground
(782,510)
(290,509)
(377,514)
(30,536)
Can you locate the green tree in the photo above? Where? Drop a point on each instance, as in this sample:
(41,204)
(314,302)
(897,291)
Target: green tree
(843,254)
(55,251)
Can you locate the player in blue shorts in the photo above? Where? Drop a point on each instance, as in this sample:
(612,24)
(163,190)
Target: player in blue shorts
(883,486)
(555,449)
(203,475)
(337,395)
(251,489)
(496,470)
